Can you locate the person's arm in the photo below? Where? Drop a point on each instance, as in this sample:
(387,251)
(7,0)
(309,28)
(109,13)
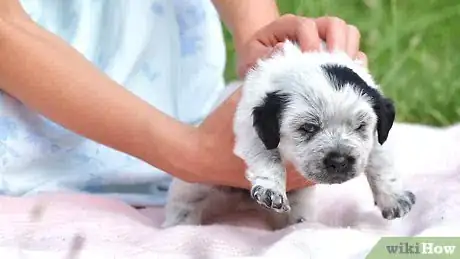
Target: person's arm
(245,17)
(49,76)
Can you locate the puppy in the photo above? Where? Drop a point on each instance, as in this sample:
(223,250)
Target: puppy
(321,112)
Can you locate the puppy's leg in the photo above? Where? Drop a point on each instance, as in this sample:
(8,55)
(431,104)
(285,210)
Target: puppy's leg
(267,175)
(190,203)
(257,137)
(386,186)
(302,209)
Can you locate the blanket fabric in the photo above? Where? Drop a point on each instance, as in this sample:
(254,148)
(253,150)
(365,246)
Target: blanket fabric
(80,226)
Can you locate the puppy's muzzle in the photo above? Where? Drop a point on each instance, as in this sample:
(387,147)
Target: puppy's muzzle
(339,165)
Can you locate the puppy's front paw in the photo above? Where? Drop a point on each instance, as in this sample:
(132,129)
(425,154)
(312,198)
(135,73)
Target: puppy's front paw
(300,220)
(395,205)
(270,198)
(181,215)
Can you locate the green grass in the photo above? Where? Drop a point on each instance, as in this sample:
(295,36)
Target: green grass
(413,48)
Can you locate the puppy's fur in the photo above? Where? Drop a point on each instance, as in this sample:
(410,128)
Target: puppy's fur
(321,112)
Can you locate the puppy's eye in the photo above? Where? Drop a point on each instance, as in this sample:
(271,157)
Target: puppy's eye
(361,126)
(309,128)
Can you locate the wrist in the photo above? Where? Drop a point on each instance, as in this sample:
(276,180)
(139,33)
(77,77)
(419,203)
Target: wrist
(174,149)
(199,160)
(190,165)
(217,165)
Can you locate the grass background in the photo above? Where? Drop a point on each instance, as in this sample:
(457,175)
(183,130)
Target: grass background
(413,48)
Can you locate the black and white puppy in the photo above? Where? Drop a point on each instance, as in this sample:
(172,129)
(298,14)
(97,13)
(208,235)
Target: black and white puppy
(320,111)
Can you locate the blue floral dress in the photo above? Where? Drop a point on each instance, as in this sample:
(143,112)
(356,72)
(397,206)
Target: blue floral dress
(170,53)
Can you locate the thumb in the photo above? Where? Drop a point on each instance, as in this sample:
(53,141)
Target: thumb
(257,55)
(278,48)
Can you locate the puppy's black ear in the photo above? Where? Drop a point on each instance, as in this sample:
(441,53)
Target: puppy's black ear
(386,113)
(267,118)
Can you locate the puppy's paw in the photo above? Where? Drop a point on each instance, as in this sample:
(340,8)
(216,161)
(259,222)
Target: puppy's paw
(395,205)
(190,221)
(181,216)
(296,218)
(270,198)
(300,220)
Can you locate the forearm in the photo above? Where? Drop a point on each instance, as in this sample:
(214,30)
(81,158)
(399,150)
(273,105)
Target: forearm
(47,75)
(244,17)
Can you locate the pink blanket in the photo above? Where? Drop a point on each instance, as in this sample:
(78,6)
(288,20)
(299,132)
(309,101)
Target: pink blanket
(79,226)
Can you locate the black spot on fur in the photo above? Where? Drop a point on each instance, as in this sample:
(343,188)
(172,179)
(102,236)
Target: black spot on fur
(341,76)
(267,116)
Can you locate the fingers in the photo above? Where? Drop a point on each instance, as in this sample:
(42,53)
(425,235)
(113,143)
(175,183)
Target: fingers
(258,53)
(334,31)
(353,39)
(295,28)
(339,35)
(278,47)
(307,35)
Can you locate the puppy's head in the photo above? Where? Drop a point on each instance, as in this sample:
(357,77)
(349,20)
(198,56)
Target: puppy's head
(322,112)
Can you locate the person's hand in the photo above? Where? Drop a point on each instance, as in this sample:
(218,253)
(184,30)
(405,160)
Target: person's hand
(221,166)
(216,139)
(309,33)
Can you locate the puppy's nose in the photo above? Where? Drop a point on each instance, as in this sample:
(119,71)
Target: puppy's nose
(338,163)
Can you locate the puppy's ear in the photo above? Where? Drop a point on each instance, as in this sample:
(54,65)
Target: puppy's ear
(386,113)
(383,107)
(267,118)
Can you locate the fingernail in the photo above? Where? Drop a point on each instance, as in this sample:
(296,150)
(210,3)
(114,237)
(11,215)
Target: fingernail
(361,63)
(361,59)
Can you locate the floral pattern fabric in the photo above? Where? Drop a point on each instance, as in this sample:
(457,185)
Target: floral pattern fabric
(170,53)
